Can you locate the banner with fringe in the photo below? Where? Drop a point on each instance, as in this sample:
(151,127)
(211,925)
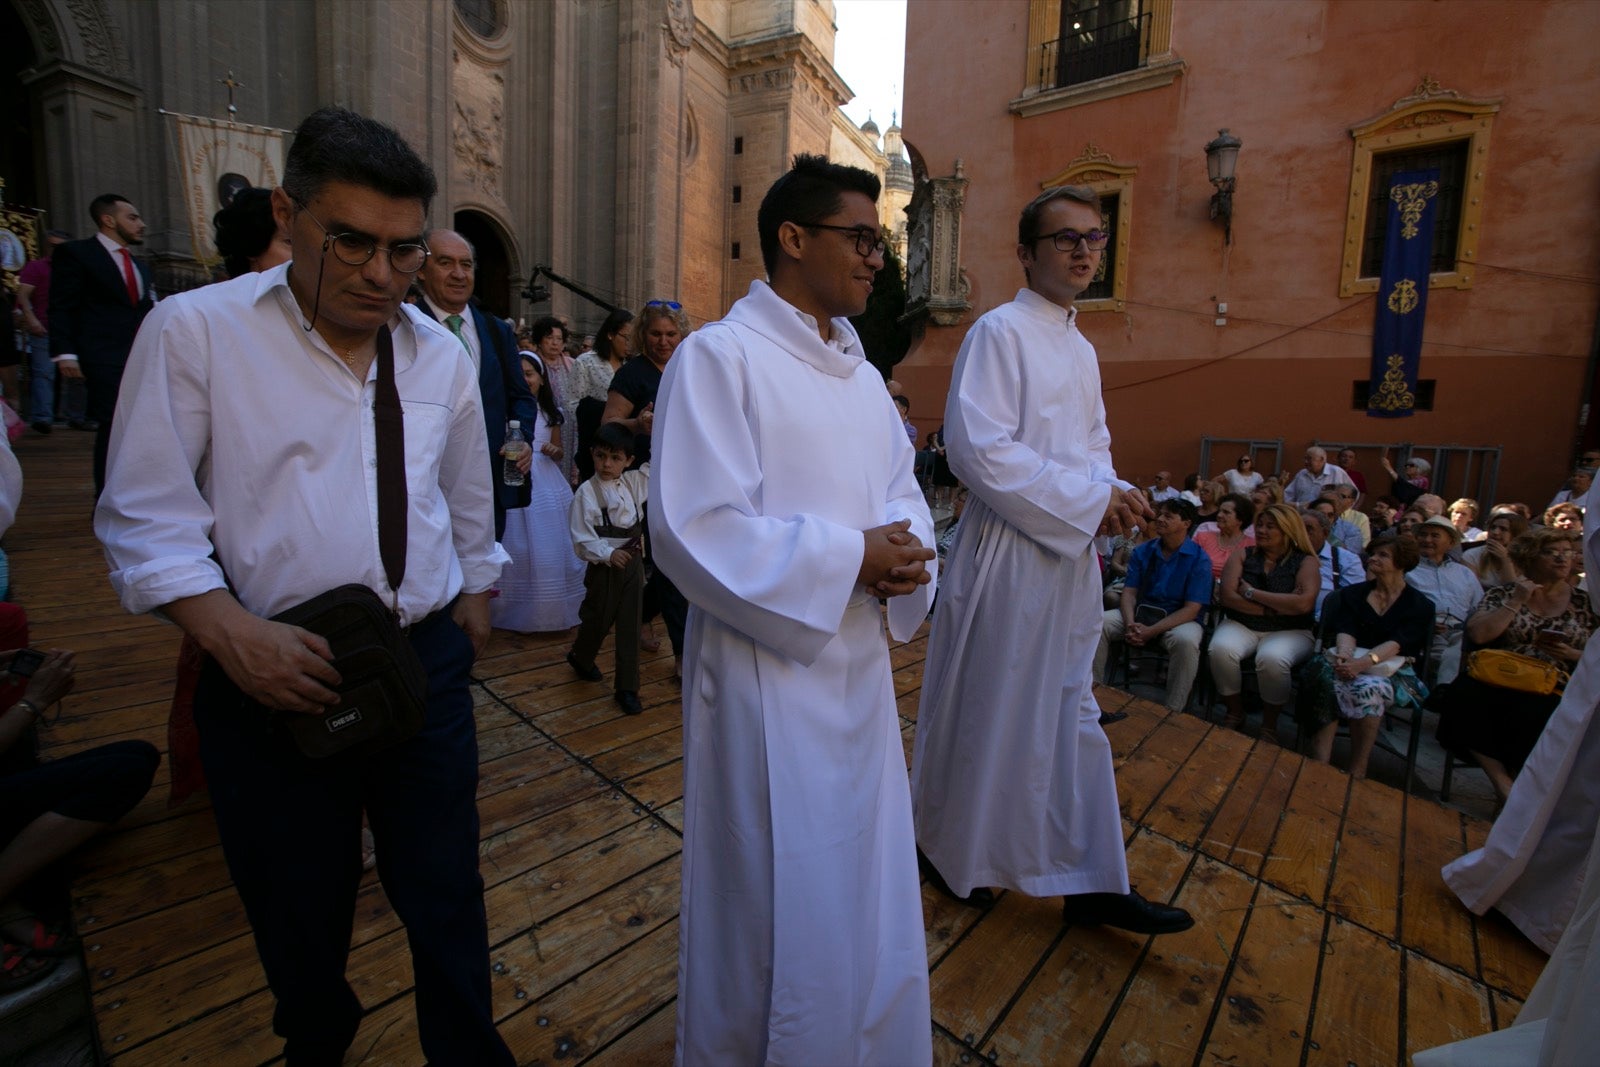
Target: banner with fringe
(1402,295)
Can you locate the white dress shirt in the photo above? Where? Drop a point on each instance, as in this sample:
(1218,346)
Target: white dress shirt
(238,429)
(115,251)
(469,330)
(1306,487)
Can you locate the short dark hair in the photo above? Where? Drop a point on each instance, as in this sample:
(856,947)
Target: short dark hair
(1028,223)
(812,190)
(244,229)
(1180,508)
(602,337)
(334,144)
(1402,549)
(1243,507)
(903,402)
(104,205)
(544,326)
(613,435)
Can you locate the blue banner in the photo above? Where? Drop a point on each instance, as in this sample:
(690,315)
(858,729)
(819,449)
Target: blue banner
(1402,294)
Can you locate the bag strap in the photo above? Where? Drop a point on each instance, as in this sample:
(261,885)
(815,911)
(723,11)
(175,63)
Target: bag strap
(389,430)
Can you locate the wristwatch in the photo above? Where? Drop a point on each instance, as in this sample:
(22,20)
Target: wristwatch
(1374,657)
(38,712)
(1249,592)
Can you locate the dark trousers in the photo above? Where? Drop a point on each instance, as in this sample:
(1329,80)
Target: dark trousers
(101,383)
(612,596)
(291,833)
(662,598)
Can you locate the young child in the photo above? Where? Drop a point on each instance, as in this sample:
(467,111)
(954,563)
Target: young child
(607,524)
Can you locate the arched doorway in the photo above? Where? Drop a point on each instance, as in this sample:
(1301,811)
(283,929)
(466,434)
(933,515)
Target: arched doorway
(20,164)
(494,260)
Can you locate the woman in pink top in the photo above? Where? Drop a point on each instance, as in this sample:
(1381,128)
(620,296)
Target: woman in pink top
(1234,514)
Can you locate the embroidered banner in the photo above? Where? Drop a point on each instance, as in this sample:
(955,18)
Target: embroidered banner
(1402,295)
(218,158)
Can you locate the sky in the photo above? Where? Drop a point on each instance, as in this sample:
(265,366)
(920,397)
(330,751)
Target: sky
(869,52)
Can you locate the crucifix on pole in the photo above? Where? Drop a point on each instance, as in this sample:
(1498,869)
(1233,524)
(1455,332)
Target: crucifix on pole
(229,81)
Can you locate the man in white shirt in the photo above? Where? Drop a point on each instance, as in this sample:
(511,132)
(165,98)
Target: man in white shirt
(1452,586)
(801,937)
(244,480)
(1312,481)
(1344,496)
(1339,566)
(1163,489)
(1012,773)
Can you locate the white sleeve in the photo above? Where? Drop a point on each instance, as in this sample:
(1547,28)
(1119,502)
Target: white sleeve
(10,484)
(467,484)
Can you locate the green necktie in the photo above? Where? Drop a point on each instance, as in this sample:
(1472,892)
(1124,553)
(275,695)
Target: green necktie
(455,328)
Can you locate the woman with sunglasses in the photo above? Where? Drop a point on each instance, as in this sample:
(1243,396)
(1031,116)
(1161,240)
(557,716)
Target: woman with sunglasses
(660,327)
(1243,478)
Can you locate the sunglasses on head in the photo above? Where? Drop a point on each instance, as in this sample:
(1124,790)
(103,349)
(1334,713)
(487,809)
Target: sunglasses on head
(672,304)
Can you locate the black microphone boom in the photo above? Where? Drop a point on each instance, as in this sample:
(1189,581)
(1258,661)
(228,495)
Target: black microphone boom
(538,294)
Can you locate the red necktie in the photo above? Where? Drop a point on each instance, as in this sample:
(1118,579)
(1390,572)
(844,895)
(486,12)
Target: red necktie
(128,276)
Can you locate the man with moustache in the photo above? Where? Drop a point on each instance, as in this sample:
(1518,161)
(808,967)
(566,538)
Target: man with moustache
(246,478)
(1011,774)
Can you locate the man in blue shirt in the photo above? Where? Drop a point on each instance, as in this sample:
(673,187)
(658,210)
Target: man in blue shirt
(1168,586)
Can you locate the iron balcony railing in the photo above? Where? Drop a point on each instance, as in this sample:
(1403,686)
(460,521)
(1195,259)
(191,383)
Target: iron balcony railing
(1094,52)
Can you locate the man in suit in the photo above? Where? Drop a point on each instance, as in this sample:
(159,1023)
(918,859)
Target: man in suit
(447,279)
(99,294)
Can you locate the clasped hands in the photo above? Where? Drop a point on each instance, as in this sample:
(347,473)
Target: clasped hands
(1126,509)
(895,562)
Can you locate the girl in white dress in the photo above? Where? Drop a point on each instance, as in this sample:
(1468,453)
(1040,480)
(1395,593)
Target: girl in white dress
(542,586)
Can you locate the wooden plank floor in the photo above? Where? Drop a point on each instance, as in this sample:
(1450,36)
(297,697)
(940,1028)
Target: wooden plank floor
(1325,934)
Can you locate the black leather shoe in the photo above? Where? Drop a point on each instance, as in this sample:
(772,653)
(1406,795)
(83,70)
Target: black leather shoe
(1109,717)
(1130,912)
(589,672)
(42,427)
(980,897)
(628,701)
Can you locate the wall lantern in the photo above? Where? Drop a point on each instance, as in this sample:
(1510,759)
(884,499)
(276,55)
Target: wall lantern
(1221,155)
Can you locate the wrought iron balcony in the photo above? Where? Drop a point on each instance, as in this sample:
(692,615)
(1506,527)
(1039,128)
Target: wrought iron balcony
(1094,52)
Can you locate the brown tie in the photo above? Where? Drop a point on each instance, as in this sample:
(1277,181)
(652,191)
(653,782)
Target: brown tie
(389,431)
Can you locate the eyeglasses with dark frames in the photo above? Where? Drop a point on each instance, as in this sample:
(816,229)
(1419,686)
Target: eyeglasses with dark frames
(355,249)
(869,242)
(1067,240)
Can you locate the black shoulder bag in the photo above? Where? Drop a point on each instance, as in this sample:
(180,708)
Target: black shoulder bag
(383,692)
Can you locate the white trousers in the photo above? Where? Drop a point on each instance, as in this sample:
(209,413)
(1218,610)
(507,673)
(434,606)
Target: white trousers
(1182,645)
(1277,653)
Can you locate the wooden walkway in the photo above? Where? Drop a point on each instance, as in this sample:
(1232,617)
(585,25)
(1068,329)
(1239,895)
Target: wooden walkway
(1325,934)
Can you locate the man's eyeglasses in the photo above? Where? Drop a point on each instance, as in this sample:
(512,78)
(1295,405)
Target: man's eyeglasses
(869,242)
(355,249)
(671,305)
(1067,240)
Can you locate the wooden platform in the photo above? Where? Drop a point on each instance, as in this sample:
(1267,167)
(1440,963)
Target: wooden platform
(1325,934)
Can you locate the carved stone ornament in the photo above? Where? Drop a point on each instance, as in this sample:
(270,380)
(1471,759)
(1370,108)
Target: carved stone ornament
(477,128)
(1091,154)
(936,286)
(680,29)
(100,49)
(37,17)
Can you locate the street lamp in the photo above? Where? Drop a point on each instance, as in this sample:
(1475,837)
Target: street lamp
(1221,155)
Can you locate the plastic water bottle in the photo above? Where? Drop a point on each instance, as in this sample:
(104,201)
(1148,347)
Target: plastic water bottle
(514,446)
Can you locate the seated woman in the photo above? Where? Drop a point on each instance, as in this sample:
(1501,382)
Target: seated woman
(1463,516)
(1540,615)
(1268,592)
(1265,495)
(1409,520)
(1491,560)
(47,810)
(1220,540)
(1206,509)
(1364,625)
(1567,517)
(1385,512)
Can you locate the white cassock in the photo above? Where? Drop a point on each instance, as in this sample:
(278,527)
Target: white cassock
(1531,866)
(1011,778)
(801,936)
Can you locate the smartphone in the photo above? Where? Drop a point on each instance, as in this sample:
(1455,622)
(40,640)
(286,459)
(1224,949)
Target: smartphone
(25,661)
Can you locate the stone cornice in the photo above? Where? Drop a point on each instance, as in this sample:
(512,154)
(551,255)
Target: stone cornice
(791,49)
(1154,75)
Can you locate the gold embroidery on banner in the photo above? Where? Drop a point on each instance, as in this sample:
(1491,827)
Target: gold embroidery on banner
(1412,198)
(1403,300)
(1393,395)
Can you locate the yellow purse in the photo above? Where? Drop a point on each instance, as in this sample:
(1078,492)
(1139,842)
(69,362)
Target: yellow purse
(1512,670)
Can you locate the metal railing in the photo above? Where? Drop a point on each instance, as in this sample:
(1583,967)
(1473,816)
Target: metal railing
(1094,52)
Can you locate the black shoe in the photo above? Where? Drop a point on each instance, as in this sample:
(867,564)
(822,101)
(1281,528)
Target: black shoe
(41,427)
(1109,717)
(1130,912)
(589,673)
(628,701)
(980,897)
(83,424)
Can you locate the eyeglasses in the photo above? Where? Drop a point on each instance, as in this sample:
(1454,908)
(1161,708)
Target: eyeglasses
(355,249)
(1067,240)
(1558,553)
(672,305)
(869,242)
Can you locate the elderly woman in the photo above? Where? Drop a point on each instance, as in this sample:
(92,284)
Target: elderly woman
(589,385)
(1541,616)
(1463,514)
(1491,560)
(1265,495)
(1268,591)
(1568,517)
(1364,626)
(1221,540)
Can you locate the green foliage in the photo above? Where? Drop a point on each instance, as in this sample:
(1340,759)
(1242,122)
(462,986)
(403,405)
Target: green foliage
(885,337)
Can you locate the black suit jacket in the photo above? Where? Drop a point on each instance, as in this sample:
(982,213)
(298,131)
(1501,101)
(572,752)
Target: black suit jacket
(505,396)
(90,316)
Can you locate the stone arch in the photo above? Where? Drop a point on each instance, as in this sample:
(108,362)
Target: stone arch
(499,267)
(78,32)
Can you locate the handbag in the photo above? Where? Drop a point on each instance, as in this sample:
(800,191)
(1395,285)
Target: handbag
(383,689)
(1512,670)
